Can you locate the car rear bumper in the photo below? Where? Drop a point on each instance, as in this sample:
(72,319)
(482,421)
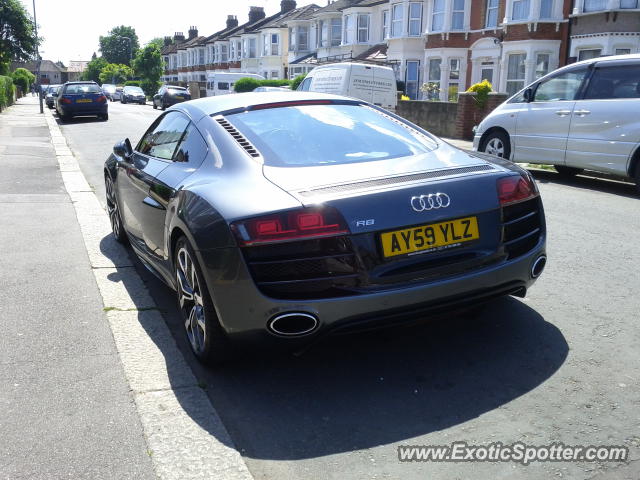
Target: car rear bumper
(245,312)
(77,112)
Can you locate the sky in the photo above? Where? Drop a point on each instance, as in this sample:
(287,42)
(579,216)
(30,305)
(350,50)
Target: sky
(71,28)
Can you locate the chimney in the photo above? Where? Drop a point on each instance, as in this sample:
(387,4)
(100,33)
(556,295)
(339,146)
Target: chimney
(287,5)
(255,14)
(193,33)
(167,41)
(232,21)
(178,37)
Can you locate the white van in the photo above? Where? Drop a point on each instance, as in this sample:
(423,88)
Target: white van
(221,83)
(373,83)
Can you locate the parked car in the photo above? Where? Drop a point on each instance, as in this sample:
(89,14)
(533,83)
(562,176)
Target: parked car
(52,93)
(285,216)
(81,99)
(372,83)
(170,95)
(117,95)
(109,90)
(222,83)
(134,95)
(582,116)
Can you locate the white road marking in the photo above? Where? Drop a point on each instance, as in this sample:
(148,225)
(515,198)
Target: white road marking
(184,434)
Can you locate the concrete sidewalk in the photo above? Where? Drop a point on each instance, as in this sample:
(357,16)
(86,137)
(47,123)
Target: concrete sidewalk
(65,406)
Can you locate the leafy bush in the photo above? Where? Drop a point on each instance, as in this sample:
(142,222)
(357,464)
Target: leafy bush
(6,91)
(405,98)
(133,83)
(482,90)
(295,83)
(246,84)
(23,79)
(273,83)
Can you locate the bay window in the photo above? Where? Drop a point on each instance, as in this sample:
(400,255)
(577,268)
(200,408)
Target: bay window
(385,25)
(437,20)
(412,78)
(542,65)
(457,15)
(396,20)
(520,10)
(302,38)
(492,14)
(336,31)
(415,19)
(515,72)
(349,30)
(363,28)
(546,9)
(594,5)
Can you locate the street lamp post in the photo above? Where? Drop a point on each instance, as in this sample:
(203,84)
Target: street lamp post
(38,80)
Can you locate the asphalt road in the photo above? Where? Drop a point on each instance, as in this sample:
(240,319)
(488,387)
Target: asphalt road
(559,366)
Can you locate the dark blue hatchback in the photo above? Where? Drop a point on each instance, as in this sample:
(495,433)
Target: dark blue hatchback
(80,99)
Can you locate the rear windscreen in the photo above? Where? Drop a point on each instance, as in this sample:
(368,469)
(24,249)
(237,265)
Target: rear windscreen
(177,90)
(309,135)
(82,88)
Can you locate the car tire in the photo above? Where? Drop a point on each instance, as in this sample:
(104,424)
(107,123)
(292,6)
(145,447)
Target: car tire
(155,107)
(497,143)
(567,171)
(104,117)
(208,341)
(113,209)
(637,178)
(164,106)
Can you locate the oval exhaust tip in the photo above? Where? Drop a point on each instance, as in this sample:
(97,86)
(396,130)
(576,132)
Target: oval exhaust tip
(538,266)
(294,324)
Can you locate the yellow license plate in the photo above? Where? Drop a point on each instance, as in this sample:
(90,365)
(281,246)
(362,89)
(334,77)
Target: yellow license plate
(427,238)
(84,100)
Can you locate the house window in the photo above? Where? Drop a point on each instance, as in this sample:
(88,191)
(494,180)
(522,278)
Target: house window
(594,5)
(520,10)
(486,71)
(265,44)
(589,54)
(454,79)
(232,53)
(323,34)
(415,19)
(349,29)
(292,40)
(302,39)
(542,65)
(412,78)
(623,51)
(492,14)
(546,9)
(515,73)
(457,15)
(275,44)
(628,3)
(238,49)
(363,28)
(396,20)
(274,74)
(252,48)
(385,24)
(336,31)
(224,57)
(433,87)
(201,56)
(437,21)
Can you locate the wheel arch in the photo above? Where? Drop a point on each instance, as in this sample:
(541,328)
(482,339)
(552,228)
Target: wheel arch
(634,163)
(491,130)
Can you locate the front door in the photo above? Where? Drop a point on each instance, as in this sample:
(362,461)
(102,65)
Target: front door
(542,126)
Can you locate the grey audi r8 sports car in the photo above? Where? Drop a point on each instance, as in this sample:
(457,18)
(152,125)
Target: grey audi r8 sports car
(283,217)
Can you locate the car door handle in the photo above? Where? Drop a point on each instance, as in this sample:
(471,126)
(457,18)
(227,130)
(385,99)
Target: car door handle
(563,113)
(582,113)
(152,203)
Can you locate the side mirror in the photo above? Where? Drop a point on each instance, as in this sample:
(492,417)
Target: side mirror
(123,149)
(528,95)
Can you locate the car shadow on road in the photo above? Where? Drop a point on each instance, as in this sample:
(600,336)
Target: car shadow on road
(605,185)
(360,391)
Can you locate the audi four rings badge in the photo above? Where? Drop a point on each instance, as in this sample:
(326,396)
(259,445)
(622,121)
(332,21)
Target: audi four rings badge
(433,201)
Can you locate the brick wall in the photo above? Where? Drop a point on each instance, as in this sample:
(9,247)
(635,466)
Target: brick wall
(438,118)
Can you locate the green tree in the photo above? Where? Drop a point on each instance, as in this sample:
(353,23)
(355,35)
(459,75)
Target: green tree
(159,41)
(23,78)
(94,67)
(17,32)
(115,73)
(119,45)
(148,66)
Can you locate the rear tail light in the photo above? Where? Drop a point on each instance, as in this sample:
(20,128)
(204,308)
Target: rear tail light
(292,225)
(101,99)
(516,189)
(66,100)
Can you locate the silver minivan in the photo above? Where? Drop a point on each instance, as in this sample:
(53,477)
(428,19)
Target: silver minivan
(585,116)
